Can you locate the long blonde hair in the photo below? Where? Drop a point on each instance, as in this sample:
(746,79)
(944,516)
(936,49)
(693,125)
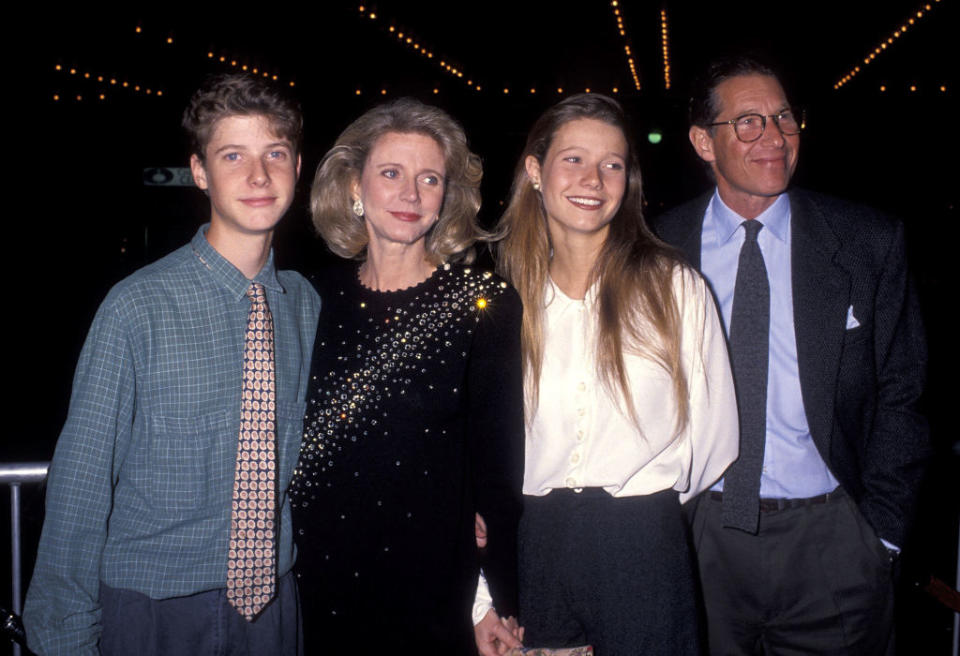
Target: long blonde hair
(633,274)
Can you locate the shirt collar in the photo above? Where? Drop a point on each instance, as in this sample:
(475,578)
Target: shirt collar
(227,274)
(775,219)
(554,296)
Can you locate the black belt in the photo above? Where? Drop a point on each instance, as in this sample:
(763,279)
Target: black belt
(773,505)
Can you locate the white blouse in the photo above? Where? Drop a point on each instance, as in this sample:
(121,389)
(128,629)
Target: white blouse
(579,437)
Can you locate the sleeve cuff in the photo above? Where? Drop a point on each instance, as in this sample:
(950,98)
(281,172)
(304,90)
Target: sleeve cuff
(482,602)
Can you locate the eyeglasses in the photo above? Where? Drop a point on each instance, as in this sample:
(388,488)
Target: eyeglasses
(750,127)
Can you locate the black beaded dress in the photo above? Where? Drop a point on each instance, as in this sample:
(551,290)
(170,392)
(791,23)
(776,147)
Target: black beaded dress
(414,423)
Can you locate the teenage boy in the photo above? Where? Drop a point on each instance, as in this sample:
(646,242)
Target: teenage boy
(167,528)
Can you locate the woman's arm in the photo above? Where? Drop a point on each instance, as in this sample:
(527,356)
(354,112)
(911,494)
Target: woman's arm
(713,429)
(495,429)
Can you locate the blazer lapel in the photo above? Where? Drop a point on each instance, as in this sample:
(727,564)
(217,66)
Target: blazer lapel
(691,241)
(821,297)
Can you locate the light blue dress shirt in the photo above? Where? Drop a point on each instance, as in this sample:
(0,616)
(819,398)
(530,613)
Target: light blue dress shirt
(792,466)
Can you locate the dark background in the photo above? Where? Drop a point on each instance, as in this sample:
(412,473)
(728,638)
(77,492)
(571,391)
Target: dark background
(80,216)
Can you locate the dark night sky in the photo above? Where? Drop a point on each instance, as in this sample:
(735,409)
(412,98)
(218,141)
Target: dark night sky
(893,149)
(337,49)
(88,220)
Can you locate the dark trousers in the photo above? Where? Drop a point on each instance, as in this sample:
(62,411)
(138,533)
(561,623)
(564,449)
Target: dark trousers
(814,580)
(200,624)
(617,573)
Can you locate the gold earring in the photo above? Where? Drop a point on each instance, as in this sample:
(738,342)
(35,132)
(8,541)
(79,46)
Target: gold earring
(358,207)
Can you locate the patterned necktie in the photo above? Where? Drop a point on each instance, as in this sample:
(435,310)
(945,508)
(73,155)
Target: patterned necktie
(749,358)
(251,562)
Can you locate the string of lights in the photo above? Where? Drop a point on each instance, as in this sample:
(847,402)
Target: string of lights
(119,82)
(912,88)
(235,62)
(100,92)
(407,39)
(108,80)
(665,39)
(897,33)
(626,43)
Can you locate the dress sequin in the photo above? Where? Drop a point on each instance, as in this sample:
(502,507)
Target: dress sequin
(403,393)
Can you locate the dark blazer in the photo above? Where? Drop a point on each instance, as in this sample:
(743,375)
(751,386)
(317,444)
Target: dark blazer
(860,386)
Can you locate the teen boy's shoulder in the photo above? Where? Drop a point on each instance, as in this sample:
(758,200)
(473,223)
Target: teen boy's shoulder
(301,291)
(156,282)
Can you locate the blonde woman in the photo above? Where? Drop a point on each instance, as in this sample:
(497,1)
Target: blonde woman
(414,419)
(630,401)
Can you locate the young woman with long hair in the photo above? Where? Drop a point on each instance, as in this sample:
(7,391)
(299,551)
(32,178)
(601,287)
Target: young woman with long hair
(630,405)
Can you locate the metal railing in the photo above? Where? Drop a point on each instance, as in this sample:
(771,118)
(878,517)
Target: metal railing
(14,475)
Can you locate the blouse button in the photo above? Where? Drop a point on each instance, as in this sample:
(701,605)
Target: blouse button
(575,458)
(571,481)
(581,387)
(579,436)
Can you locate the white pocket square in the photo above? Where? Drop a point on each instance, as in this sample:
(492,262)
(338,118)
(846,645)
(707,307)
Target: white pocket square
(851,320)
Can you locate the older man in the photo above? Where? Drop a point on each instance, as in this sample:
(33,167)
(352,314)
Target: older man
(796,542)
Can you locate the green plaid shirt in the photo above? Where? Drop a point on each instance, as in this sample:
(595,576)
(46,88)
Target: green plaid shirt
(141,481)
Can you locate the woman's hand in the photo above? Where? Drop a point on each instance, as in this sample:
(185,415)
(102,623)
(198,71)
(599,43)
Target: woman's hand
(497,635)
(480,529)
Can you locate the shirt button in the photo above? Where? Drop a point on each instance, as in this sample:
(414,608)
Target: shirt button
(582,387)
(581,411)
(571,482)
(579,436)
(575,458)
